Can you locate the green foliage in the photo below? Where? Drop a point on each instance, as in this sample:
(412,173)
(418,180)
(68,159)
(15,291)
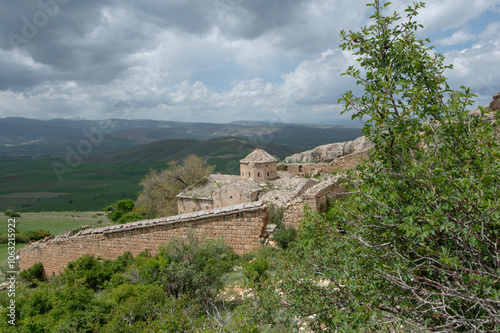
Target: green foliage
(284,236)
(174,291)
(160,188)
(12,214)
(37,234)
(256,270)
(26,237)
(122,211)
(196,266)
(130,217)
(415,246)
(34,274)
(275,214)
(94,273)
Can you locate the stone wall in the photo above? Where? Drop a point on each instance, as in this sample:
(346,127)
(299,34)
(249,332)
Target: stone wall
(233,195)
(242,227)
(259,171)
(304,169)
(187,205)
(314,169)
(316,198)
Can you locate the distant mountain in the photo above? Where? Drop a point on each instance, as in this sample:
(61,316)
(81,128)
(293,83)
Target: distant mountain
(222,148)
(32,137)
(15,130)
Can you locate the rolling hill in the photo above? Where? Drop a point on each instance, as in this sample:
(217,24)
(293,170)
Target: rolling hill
(168,150)
(30,137)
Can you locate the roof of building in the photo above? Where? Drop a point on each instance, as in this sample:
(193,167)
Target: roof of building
(204,188)
(278,191)
(259,156)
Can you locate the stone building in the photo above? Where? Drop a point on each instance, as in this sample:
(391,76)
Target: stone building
(261,181)
(259,165)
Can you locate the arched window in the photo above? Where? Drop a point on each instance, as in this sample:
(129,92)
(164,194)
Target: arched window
(300,168)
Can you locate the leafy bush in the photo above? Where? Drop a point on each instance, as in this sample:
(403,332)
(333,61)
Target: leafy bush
(37,234)
(122,211)
(26,237)
(284,236)
(275,214)
(12,214)
(193,266)
(256,271)
(415,245)
(34,274)
(95,273)
(130,217)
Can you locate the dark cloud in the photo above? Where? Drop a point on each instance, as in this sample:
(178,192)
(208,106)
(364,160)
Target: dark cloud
(170,59)
(258,17)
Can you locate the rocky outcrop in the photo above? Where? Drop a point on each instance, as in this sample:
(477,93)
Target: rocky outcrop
(331,152)
(495,103)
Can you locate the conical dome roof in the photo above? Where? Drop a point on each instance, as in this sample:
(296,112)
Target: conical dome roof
(258,156)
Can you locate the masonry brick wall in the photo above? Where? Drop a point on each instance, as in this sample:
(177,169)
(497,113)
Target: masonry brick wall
(242,227)
(316,198)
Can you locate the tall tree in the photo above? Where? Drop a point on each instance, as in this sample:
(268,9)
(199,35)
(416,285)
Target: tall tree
(415,244)
(158,196)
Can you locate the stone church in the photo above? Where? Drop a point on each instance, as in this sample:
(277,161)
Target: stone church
(259,180)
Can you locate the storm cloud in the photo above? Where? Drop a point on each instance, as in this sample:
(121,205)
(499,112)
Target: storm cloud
(212,60)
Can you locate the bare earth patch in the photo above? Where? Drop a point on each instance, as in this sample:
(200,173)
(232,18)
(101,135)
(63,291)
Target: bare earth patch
(32,195)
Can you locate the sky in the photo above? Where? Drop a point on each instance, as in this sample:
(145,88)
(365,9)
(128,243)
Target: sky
(214,60)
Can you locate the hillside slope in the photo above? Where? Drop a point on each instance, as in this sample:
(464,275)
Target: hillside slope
(168,150)
(127,133)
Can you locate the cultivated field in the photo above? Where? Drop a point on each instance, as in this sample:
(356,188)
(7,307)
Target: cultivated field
(31,185)
(55,222)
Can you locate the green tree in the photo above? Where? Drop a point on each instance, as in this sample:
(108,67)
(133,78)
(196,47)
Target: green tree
(194,266)
(160,188)
(415,244)
(123,211)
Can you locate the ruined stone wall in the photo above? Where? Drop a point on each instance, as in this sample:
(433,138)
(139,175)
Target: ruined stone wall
(232,195)
(313,169)
(304,169)
(316,198)
(242,227)
(190,205)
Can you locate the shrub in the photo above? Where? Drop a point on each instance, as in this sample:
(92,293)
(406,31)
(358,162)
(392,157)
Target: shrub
(10,213)
(275,214)
(121,208)
(284,236)
(130,217)
(34,274)
(37,234)
(192,266)
(256,271)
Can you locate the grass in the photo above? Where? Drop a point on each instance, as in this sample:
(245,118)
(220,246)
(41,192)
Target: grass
(87,188)
(55,222)
(59,222)
(3,251)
